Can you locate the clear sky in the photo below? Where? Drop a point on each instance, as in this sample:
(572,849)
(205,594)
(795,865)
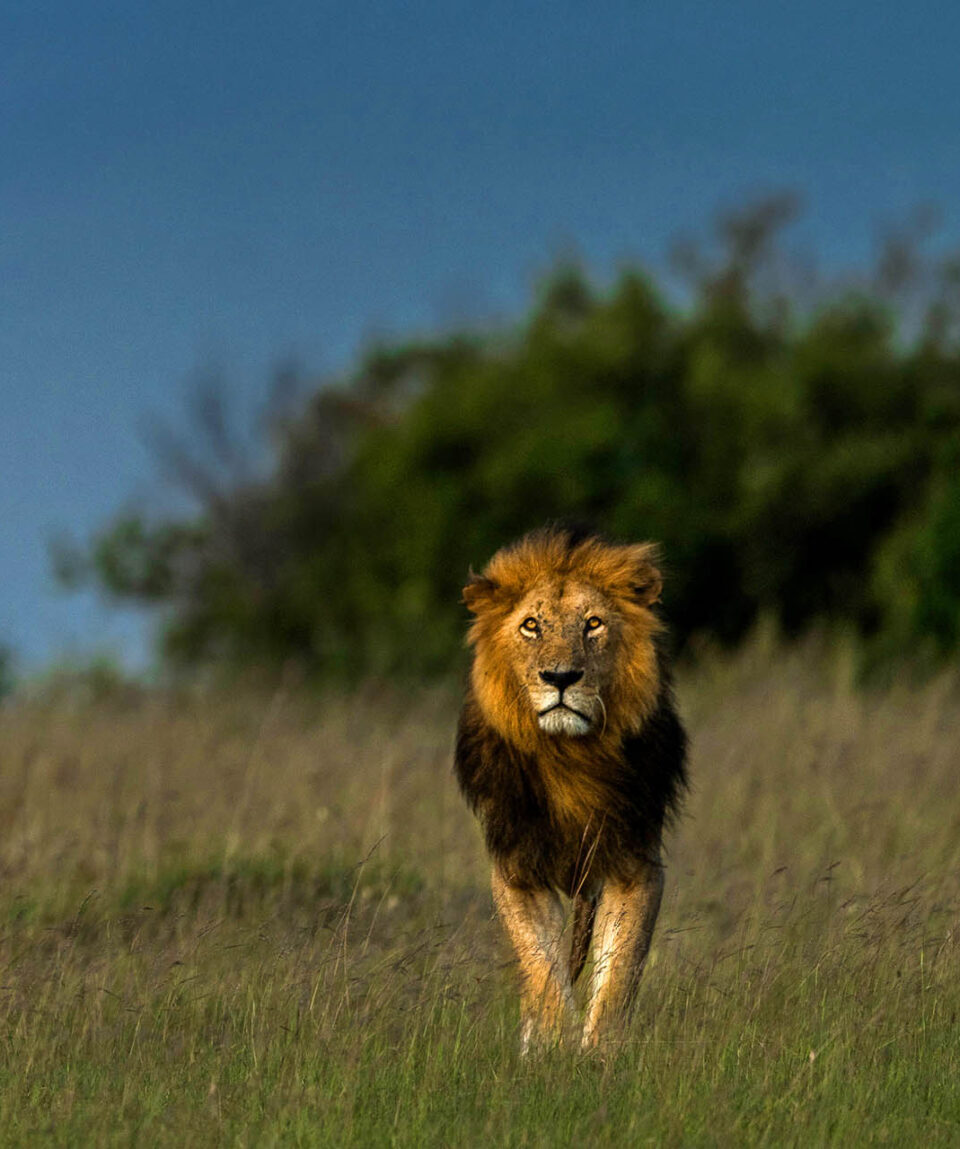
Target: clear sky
(235,184)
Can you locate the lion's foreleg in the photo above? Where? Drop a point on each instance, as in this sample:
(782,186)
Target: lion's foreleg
(534,921)
(624,927)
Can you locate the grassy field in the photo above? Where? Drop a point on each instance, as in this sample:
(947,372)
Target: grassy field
(263,920)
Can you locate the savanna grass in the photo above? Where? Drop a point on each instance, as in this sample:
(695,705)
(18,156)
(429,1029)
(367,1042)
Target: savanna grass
(263,920)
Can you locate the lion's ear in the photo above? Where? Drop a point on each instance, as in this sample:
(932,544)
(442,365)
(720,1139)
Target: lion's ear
(647,581)
(479,592)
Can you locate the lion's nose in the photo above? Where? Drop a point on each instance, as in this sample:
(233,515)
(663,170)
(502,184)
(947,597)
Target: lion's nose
(561,679)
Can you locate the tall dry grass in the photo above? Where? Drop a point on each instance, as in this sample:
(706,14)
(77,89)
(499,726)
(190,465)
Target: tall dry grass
(263,919)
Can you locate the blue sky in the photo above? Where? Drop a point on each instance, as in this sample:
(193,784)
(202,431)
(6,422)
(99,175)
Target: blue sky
(188,185)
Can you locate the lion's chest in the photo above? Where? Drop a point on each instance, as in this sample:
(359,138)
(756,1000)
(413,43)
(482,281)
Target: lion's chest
(577,801)
(553,820)
(577,827)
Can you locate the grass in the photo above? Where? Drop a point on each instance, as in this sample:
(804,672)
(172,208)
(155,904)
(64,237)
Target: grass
(263,920)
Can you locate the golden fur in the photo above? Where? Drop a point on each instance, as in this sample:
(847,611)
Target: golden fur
(539,576)
(618,584)
(571,753)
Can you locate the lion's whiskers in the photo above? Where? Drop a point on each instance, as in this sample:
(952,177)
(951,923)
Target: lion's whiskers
(524,689)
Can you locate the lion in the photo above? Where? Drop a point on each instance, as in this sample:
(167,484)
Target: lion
(570,751)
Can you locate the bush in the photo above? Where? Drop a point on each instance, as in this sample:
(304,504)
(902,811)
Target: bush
(7,676)
(797,460)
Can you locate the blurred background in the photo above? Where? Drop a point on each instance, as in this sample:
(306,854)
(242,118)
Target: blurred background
(304,310)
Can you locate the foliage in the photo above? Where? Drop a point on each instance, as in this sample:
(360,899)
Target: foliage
(79,682)
(7,674)
(795,450)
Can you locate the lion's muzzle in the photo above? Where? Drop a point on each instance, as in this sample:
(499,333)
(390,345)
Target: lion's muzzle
(561,710)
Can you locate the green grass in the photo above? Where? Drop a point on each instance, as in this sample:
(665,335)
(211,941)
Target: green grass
(264,921)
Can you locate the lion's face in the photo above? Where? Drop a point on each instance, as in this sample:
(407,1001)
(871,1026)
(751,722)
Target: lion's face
(564,647)
(564,637)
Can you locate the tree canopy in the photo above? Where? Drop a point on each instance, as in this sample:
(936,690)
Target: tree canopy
(795,449)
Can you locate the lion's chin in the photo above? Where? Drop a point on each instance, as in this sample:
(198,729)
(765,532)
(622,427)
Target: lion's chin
(562,721)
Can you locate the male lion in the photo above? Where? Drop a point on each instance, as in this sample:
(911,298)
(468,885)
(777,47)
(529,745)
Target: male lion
(571,753)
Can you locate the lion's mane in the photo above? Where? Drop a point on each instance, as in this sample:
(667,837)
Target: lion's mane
(559,812)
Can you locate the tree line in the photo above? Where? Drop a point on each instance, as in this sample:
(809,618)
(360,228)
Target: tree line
(793,445)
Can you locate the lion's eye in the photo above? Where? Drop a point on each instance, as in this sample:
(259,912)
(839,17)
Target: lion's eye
(529,626)
(594,622)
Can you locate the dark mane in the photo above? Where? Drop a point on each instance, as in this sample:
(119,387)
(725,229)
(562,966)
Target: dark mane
(529,836)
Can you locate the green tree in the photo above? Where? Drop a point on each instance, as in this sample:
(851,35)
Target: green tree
(794,453)
(7,676)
